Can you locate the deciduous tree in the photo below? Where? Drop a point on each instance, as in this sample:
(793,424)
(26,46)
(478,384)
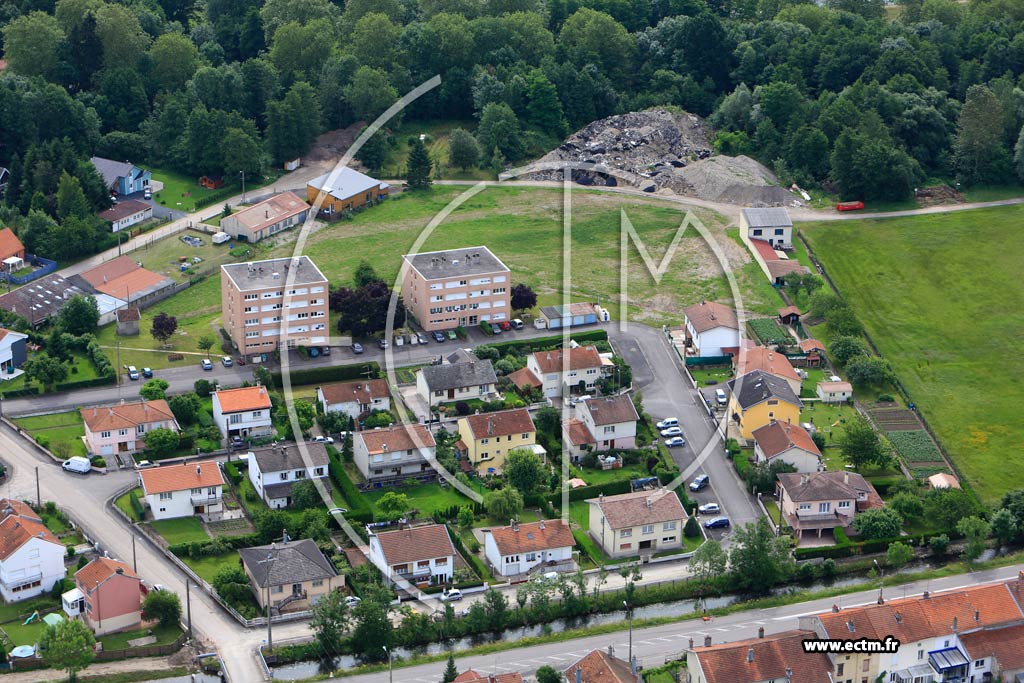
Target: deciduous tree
(162,606)
(79,316)
(878,523)
(758,558)
(975,531)
(45,370)
(861,445)
(898,555)
(523,297)
(503,504)
(164,326)
(31,43)
(330,622)
(68,646)
(154,389)
(709,560)
(463,150)
(524,470)
(161,441)
(393,505)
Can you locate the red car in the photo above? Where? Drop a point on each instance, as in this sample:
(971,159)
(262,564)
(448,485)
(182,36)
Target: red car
(505,325)
(849,206)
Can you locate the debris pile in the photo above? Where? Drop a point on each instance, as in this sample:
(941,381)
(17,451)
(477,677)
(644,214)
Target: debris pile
(661,151)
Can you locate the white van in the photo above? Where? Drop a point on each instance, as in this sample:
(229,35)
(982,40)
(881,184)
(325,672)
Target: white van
(668,422)
(720,397)
(77,464)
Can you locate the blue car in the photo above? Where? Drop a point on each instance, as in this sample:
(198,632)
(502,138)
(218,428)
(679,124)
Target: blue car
(717,523)
(700,482)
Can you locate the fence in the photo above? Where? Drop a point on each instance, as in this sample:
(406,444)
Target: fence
(45,267)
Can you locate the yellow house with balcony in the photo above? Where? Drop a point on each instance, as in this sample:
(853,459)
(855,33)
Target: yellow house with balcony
(757,398)
(486,439)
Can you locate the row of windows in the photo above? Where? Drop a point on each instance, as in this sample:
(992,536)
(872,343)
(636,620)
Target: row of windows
(648,529)
(497,439)
(140,429)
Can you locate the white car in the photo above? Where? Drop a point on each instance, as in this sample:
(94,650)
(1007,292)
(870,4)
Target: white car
(323,439)
(668,422)
(709,509)
(352,600)
(453,595)
(675,441)
(672,431)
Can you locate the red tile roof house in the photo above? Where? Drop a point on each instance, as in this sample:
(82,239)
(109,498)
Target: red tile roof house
(815,351)
(192,488)
(123,428)
(11,248)
(762,358)
(577,439)
(557,370)
(108,596)
(471,676)
(712,329)
(520,549)
(243,412)
(779,657)
(415,554)
(31,557)
(788,443)
(355,399)
(643,522)
(599,666)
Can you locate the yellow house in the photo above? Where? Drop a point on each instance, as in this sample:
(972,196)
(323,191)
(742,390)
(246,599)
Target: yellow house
(757,398)
(487,438)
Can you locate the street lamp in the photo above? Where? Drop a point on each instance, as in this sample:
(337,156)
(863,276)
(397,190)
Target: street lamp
(390,669)
(629,618)
(243,186)
(878,567)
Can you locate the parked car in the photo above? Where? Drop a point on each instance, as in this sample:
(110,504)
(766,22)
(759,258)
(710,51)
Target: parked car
(517,324)
(720,397)
(236,442)
(144,465)
(240,360)
(337,511)
(700,482)
(205,364)
(399,340)
(323,439)
(668,422)
(132,372)
(422,338)
(452,595)
(505,325)
(672,431)
(717,523)
(147,372)
(675,441)
(438,337)
(382,343)
(357,348)
(709,509)
(495,328)
(226,361)
(414,339)
(352,600)
(77,464)
(452,336)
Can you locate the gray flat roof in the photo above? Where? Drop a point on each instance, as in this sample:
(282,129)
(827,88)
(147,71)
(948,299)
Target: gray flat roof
(452,262)
(347,182)
(768,218)
(263,274)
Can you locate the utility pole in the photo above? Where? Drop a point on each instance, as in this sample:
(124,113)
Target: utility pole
(270,633)
(118,375)
(135,562)
(243,186)
(188,605)
(881,578)
(39,499)
(629,618)
(391,678)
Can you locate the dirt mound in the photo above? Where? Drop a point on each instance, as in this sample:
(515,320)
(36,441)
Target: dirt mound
(331,145)
(661,151)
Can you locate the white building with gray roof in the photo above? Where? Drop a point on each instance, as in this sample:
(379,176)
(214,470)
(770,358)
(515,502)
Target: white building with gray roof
(773,225)
(438,384)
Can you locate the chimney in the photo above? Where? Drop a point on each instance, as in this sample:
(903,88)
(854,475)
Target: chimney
(851,627)
(515,525)
(199,470)
(977,615)
(804,479)
(707,640)
(649,503)
(691,643)
(122,401)
(899,618)
(119,570)
(579,675)
(490,678)
(954,624)
(846,477)
(750,655)
(542,525)
(926,596)
(760,632)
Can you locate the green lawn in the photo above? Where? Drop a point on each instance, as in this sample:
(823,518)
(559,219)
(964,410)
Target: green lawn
(208,566)
(59,428)
(940,295)
(123,503)
(829,418)
(181,191)
(13,615)
(119,641)
(711,375)
(773,510)
(181,530)
(595,477)
(523,227)
(437,146)
(579,512)
(427,498)
(809,388)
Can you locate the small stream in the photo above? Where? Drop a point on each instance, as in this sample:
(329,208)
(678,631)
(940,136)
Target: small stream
(301,670)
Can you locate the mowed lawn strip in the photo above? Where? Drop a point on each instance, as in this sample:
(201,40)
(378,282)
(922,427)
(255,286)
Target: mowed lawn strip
(181,530)
(940,296)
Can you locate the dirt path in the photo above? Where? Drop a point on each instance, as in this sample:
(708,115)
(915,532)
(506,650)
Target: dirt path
(155,664)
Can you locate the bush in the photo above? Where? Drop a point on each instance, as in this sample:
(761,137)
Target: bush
(692,528)
(939,545)
(462,408)
(335,373)
(828,568)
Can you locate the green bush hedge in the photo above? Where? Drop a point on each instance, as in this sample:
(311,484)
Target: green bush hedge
(15,393)
(195,549)
(335,373)
(86,383)
(358,510)
(137,507)
(522,347)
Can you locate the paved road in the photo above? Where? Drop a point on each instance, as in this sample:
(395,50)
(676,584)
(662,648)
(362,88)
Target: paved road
(658,375)
(653,646)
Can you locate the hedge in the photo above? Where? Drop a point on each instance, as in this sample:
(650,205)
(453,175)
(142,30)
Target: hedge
(866,547)
(196,549)
(334,373)
(358,510)
(544,343)
(474,560)
(85,383)
(27,391)
(137,507)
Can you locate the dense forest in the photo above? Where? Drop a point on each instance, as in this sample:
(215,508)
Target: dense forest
(841,96)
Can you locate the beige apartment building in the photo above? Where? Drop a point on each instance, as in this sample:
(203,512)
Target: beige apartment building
(254,301)
(443,290)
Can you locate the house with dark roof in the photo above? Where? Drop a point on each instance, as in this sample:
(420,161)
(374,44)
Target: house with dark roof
(601,666)
(488,438)
(274,470)
(192,488)
(712,329)
(562,372)
(31,557)
(438,384)
(757,398)
(40,300)
(789,443)
(638,523)
(752,357)
(291,576)
(345,189)
(126,213)
(355,399)
(772,224)
(394,453)
(107,596)
(777,658)
(122,177)
(931,629)
(415,554)
(611,420)
(521,549)
(821,501)
(13,352)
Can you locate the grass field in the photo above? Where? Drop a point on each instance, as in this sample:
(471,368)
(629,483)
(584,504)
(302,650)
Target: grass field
(523,227)
(940,295)
(438,133)
(829,418)
(12,618)
(119,641)
(208,566)
(427,498)
(181,530)
(124,504)
(180,191)
(58,428)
